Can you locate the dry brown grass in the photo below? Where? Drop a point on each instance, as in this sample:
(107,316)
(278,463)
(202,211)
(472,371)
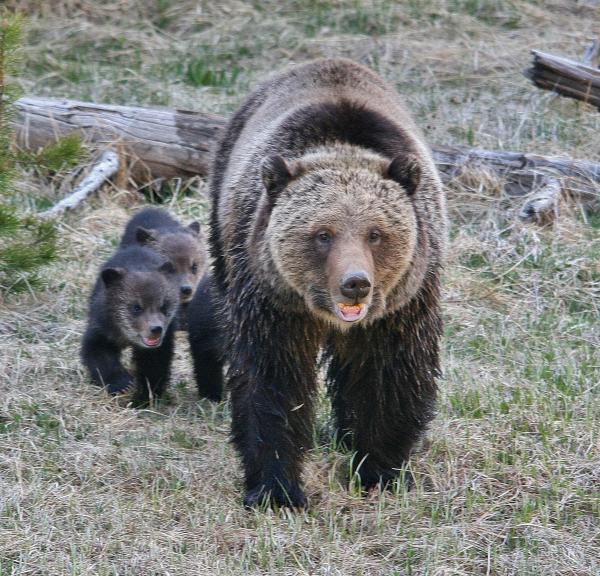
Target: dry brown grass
(507,482)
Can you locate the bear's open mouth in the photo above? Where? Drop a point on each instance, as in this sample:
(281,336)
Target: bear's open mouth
(151,341)
(351,312)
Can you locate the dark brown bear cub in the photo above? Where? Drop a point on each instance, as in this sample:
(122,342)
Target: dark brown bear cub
(205,337)
(328,232)
(182,245)
(132,305)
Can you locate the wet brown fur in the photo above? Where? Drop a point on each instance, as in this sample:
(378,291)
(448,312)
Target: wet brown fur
(328,147)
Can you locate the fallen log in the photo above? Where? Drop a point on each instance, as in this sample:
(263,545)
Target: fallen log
(163,143)
(567,77)
(159,143)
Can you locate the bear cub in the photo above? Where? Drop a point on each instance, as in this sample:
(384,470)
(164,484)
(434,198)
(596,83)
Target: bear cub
(132,305)
(183,246)
(205,338)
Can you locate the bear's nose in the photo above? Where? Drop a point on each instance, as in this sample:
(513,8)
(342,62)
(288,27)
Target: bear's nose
(156,330)
(186,290)
(355,285)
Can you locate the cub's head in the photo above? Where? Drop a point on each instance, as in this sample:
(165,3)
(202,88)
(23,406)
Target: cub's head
(142,303)
(185,250)
(342,235)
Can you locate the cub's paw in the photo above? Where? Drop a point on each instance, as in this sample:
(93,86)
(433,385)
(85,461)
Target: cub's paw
(119,385)
(274,493)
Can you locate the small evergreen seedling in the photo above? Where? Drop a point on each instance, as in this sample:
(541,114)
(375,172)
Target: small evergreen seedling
(25,242)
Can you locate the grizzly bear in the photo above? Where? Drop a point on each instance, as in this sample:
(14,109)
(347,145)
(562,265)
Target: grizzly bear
(132,305)
(328,230)
(184,246)
(205,337)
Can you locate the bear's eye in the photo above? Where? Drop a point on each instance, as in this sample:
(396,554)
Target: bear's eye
(324,237)
(164,309)
(374,237)
(136,309)
(194,268)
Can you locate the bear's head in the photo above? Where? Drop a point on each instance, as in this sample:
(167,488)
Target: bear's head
(142,303)
(342,231)
(184,249)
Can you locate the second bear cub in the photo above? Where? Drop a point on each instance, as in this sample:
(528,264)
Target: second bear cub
(182,245)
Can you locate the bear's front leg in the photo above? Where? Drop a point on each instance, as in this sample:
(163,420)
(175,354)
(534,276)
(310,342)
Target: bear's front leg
(382,385)
(208,369)
(103,360)
(153,369)
(272,382)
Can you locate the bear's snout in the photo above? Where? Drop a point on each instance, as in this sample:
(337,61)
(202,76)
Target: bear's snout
(355,285)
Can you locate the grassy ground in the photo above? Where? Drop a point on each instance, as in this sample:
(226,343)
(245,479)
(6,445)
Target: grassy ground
(508,480)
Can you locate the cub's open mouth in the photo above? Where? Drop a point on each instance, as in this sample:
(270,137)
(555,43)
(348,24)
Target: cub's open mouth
(351,312)
(151,341)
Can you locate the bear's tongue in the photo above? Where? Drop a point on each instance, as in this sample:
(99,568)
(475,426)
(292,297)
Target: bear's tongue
(150,341)
(350,312)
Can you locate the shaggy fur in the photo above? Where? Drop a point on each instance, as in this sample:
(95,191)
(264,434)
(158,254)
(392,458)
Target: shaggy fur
(328,231)
(206,344)
(183,246)
(132,305)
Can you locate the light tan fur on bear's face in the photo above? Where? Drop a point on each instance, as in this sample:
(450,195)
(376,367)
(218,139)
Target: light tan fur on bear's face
(188,255)
(141,300)
(340,216)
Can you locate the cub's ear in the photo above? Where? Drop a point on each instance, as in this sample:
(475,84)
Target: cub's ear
(194,227)
(111,276)
(406,171)
(275,174)
(167,268)
(144,236)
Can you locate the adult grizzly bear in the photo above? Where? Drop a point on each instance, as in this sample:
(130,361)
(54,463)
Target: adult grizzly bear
(328,230)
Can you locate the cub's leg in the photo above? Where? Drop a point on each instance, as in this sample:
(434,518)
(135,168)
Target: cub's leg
(153,369)
(103,360)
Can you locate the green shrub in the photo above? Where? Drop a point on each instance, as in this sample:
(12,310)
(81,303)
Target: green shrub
(26,243)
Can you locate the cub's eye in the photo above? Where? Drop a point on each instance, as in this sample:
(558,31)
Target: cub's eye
(194,268)
(136,309)
(164,309)
(374,237)
(324,237)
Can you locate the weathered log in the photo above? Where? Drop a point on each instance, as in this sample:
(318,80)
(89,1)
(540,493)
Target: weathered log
(568,77)
(160,142)
(163,143)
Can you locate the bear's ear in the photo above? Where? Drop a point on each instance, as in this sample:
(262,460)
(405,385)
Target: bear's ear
(275,175)
(406,171)
(111,276)
(167,268)
(144,236)
(194,227)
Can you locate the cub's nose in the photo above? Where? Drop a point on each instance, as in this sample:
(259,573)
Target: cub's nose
(156,330)
(186,290)
(355,285)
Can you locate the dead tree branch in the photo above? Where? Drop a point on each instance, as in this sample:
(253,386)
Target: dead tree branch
(106,167)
